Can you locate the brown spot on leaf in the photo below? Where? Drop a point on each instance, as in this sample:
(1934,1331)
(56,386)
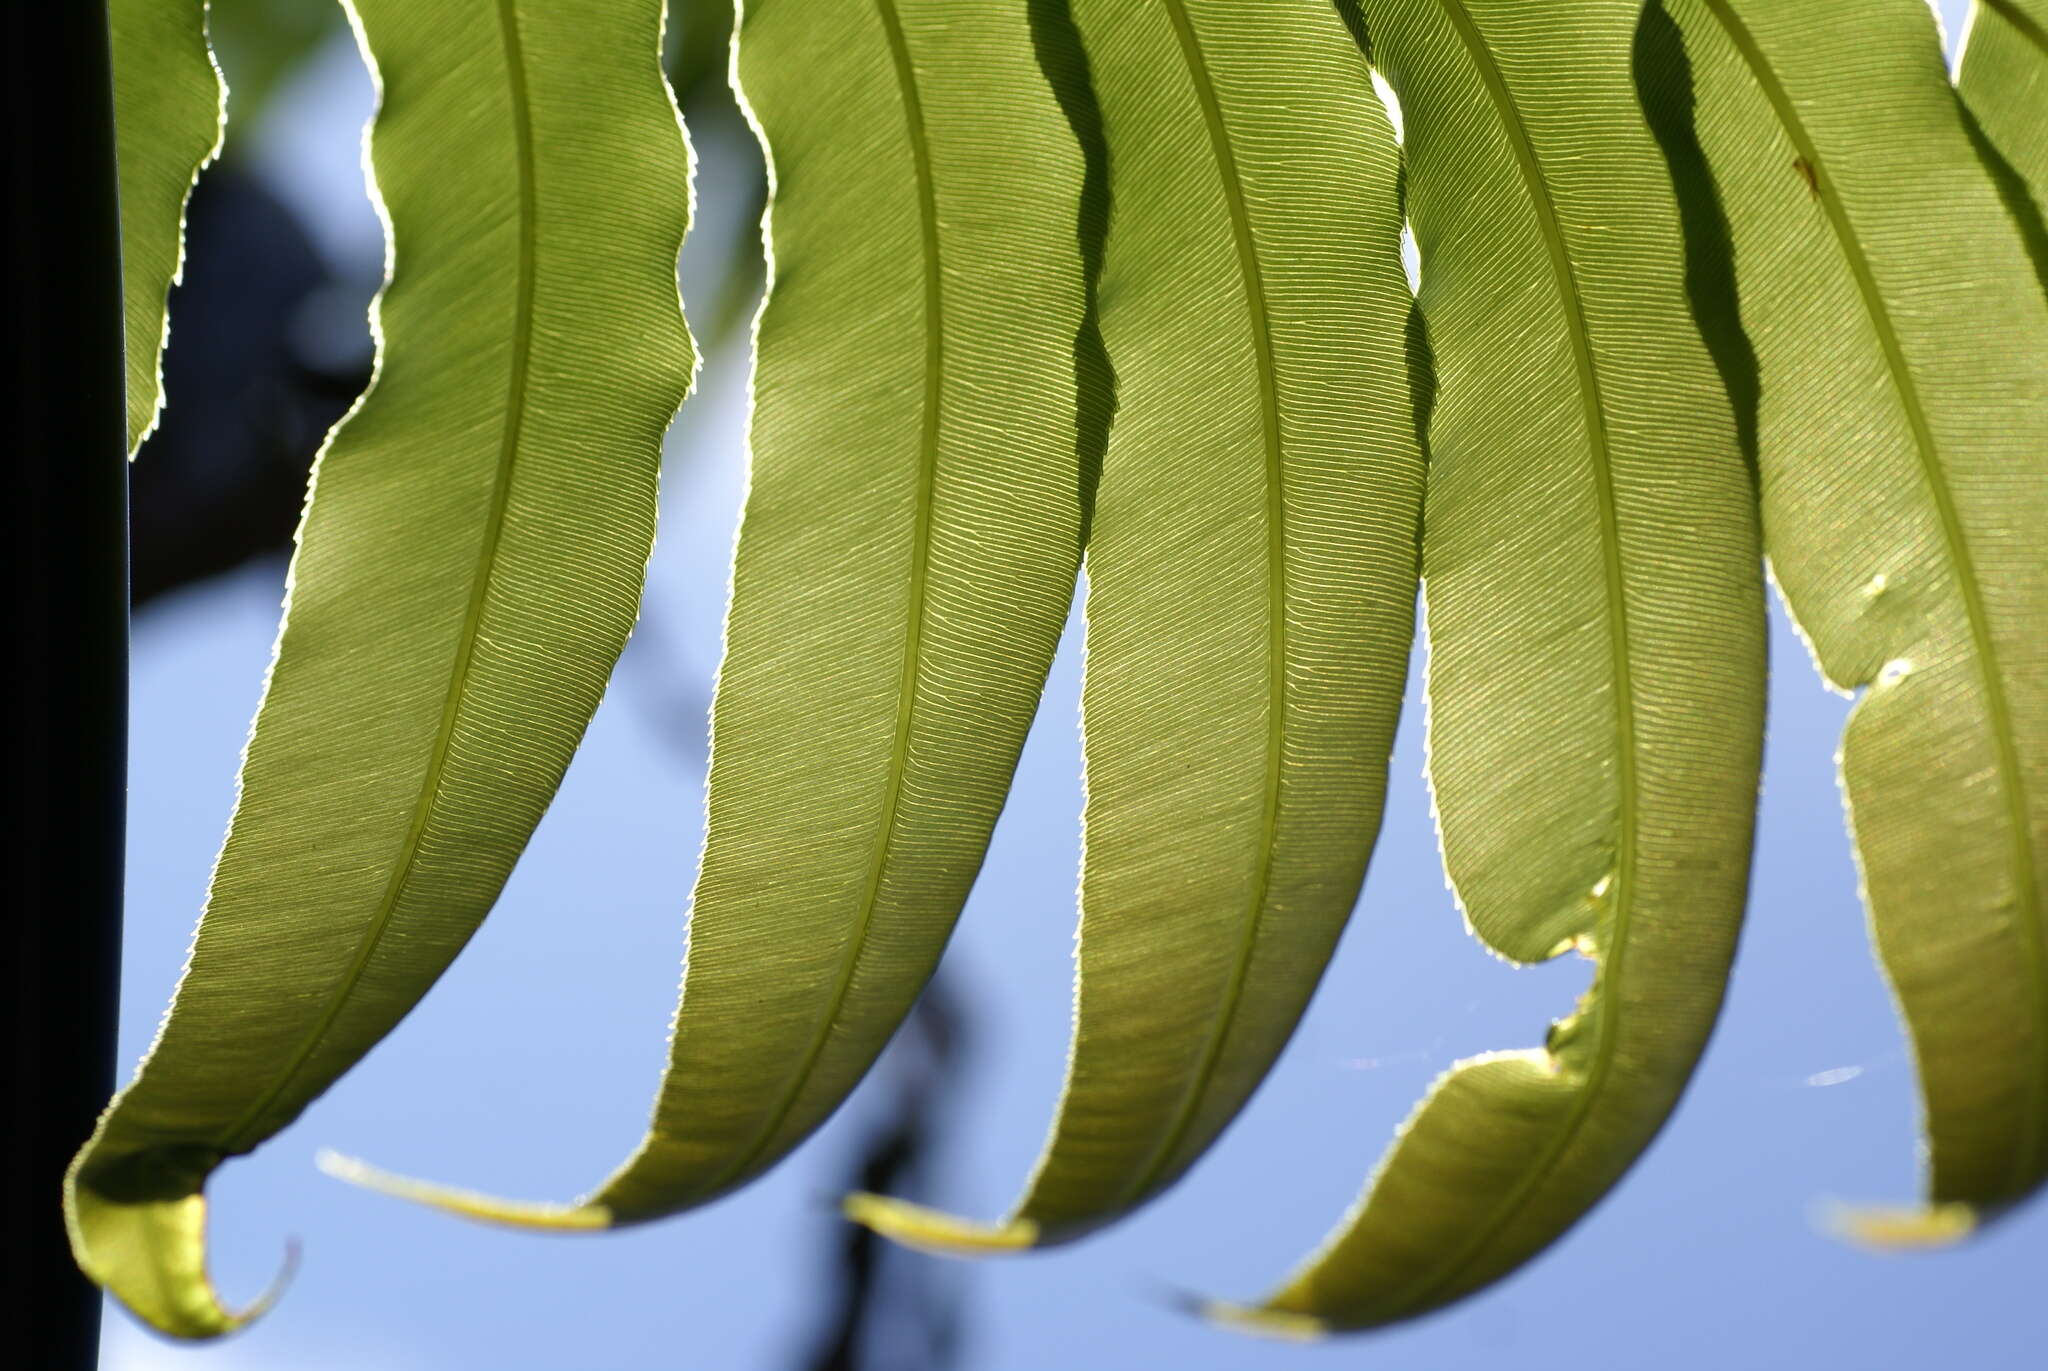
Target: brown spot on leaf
(1808,175)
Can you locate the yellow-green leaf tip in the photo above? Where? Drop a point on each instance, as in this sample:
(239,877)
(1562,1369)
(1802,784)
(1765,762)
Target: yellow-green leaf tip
(468,1204)
(930,1230)
(1902,1230)
(1263,1321)
(149,1252)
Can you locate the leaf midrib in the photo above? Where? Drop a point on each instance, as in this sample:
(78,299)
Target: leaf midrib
(1926,449)
(486,565)
(1276,610)
(912,670)
(1611,957)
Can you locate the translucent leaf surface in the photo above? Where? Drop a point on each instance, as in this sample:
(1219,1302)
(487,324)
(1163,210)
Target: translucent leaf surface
(1591,572)
(1251,581)
(169,106)
(468,569)
(2004,83)
(2005,80)
(906,558)
(1902,345)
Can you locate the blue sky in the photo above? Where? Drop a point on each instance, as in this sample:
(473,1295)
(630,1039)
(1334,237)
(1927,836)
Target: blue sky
(528,1070)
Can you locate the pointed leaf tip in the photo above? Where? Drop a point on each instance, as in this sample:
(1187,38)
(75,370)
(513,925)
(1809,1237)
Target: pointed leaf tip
(1887,1229)
(934,1231)
(1264,1322)
(147,1246)
(468,1204)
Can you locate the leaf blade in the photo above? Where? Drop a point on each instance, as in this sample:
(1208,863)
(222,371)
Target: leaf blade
(466,575)
(1895,511)
(1585,486)
(1264,466)
(920,472)
(170,110)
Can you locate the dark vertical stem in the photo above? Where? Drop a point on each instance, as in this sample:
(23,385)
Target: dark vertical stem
(63,521)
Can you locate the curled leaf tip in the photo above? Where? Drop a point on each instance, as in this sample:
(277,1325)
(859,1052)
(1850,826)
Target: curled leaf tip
(1902,1229)
(468,1204)
(930,1230)
(149,1252)
(1263,1321)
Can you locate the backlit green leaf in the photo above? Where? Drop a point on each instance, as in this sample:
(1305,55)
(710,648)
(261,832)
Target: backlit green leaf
(1591,572)
(467,572)
(906,558)
(2005,80)
(2004,83)
(1902,346)
(1251,582)
(169,107)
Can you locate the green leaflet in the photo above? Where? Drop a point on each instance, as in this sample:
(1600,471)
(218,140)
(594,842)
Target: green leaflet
(1251,582)
(169,108)
(906,558)
(1903,352)
(1595,626)
(467,572)
(2005,80)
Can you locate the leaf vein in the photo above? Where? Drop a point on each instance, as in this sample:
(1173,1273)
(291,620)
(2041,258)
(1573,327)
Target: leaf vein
(1579,336)
(919,597)
(1276,581)
(487,556)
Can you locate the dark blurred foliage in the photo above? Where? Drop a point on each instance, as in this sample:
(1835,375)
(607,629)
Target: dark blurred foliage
(262,43)
(893,1309)
(269,347)
(246,405)
(696,50)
